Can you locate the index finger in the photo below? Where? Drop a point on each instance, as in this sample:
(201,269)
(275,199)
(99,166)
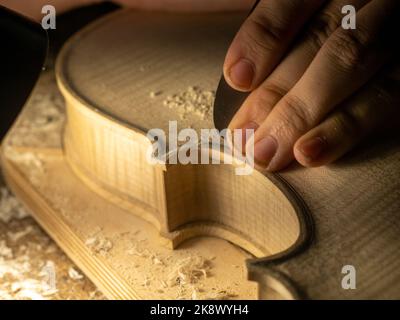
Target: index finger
(263,40)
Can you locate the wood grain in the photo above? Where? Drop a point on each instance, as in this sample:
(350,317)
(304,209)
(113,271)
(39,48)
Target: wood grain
(302,225)
(108,151)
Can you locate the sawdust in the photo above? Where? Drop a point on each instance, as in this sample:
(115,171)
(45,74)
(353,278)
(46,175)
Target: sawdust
(32,267)
(186,274)
(28,160)
(189,271)
(10,207)
(183,274)
(15,236)
(99,244)
(5,252)
(193,101)
(14,284)
(43,117)
(182,277)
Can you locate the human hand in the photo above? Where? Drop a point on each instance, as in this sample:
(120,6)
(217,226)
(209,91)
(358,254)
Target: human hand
(317,89)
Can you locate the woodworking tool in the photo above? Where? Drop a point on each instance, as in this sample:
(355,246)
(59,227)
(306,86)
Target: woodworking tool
(24,46)
(228,100)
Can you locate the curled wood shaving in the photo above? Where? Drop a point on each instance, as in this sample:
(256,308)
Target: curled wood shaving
(220,295)
(74,274)
(189,270)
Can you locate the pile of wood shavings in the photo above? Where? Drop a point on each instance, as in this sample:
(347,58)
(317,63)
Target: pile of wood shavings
(187,274)
(43,118)
(189,271)
(14,284)
(193,101)
(29,260)
(185,277)
(29,160)
(10,207)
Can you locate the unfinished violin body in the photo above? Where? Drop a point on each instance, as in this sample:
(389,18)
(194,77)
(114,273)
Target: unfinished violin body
(131,72)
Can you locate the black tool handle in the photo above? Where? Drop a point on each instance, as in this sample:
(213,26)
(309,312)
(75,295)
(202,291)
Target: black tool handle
(227,100)
(22,55)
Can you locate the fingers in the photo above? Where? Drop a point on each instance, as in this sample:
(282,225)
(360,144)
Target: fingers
(345,63)
(263,39)
(377,106)
(261,101)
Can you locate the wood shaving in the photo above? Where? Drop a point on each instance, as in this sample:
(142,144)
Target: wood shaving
(24,253)
(188,271)
(21,287)
(14,267)
(15,236)
(136,251)
(74,274)
(5,251)
(43,118)
(10,207)
(194,295)
(31,289)
(193,101)
(154,94)
(99,244)
(220,295)
(156,260)
(184,277)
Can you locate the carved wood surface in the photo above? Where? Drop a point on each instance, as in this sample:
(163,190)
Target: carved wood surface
(302,225)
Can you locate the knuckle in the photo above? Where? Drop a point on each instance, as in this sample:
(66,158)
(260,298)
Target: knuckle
(346,122)
(347,49)
(271,89)
(265,31)
(294,115)
(322,28)
(256,43)
(267,96)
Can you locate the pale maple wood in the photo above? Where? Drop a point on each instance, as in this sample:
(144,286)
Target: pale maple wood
(105,142)
(106,73)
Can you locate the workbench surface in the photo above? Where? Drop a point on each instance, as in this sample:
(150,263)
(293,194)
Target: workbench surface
(30,259)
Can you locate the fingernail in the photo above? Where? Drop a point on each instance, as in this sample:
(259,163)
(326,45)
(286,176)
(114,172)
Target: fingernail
(242,74)
(313,147)
(264,150)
